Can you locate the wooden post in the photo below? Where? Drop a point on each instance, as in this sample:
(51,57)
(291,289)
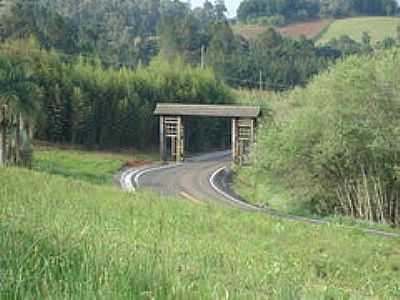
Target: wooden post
(252,132)
(182,141)
(179,140)
(234,139)
(162,139)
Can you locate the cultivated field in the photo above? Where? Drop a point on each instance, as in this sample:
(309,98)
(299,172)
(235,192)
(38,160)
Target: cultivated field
(377,27)
(63,239)
(308,29)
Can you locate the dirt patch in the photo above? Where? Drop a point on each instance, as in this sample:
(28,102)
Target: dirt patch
(308,29)
(136,163)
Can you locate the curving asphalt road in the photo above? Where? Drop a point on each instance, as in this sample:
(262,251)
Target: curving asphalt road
(198,179)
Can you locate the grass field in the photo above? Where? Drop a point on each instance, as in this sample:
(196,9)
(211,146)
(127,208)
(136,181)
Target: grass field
(63,239)
(95,167)
(377,27)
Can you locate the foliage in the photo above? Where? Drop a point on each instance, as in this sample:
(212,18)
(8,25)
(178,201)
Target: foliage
(293,10)
(67,239)
(273,62)
(31,18)
(343,8)
(120,32)
(289,9)
(339,147)
(85,103)
(18,107)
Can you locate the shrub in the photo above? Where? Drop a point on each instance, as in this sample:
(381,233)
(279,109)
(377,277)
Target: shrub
(341,146)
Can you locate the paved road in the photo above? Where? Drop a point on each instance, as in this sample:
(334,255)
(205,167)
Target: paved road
(192,179)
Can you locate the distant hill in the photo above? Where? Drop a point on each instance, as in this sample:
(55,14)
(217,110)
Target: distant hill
(325,30)
(309,29)
(377,27)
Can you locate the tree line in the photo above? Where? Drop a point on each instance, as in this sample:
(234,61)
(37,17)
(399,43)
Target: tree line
(83,102)
(286,11)
(131,33)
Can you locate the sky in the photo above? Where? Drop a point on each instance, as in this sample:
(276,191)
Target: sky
(231,5)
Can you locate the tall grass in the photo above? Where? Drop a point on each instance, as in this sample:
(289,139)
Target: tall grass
(96,167)
(63,239)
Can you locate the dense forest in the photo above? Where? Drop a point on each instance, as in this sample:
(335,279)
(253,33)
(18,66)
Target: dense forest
(132,33)
(282,11)
(82,102)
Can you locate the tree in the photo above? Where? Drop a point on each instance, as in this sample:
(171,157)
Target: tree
(17,99)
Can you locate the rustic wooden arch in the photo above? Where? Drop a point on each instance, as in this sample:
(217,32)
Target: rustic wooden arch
(244,120)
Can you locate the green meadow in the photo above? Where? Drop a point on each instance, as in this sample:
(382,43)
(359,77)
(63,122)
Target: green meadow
(67,239)
(378,28)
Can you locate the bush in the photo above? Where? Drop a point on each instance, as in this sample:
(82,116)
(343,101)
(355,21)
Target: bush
(341,146)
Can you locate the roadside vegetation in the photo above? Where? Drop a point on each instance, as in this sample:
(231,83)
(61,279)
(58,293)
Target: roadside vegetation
(68,239)
(336,151)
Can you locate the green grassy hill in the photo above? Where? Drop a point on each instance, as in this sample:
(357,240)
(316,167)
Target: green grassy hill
(377,27)
(63,239)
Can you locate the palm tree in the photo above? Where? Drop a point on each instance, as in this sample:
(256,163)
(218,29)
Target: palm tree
(18,103)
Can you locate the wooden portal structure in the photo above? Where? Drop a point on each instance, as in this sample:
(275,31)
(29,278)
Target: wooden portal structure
(172,129)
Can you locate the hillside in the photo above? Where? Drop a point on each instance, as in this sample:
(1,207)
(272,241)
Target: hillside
(67,239)
(309,29)
(377,27)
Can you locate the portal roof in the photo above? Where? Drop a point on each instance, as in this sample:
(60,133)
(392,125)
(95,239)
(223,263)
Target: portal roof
(221,111)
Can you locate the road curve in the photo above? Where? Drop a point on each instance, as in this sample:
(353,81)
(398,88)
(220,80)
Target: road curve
(191,179)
